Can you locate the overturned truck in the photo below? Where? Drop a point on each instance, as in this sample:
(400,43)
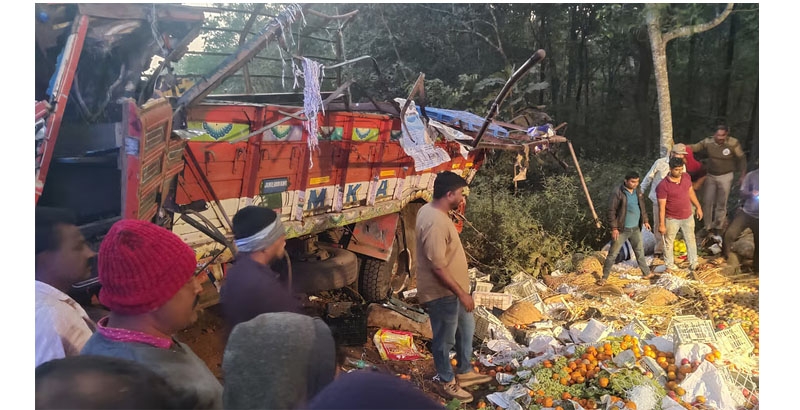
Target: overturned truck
(112,143)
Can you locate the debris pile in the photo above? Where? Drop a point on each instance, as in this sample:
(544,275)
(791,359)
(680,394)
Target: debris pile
(682,341)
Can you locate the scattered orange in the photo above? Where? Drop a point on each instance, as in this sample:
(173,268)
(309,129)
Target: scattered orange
(476,369)
(548,364)
(680,391)
(548,402)
(531,393)
(630,405)
(454,362)
(700,399)
(481,404)
(566,396)
(603,382)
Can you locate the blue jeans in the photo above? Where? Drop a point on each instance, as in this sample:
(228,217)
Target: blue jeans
(687,227)
(452,327)
(635,236)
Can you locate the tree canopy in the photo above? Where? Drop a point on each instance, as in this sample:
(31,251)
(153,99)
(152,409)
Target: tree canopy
(598,75)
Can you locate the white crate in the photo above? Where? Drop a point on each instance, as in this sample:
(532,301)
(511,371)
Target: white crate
(489,300)
(694,331)
(734,341)
(680,319)
(483,287)
(488,326)
(521,290)
(641,329)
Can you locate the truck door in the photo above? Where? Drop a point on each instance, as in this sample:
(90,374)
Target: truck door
(151,160)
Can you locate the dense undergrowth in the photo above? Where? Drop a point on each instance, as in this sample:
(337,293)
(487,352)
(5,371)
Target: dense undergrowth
(537,226)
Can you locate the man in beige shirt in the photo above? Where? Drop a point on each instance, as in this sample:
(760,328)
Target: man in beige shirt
(443,287)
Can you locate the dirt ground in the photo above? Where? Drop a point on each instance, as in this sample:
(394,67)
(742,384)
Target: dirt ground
(205,338)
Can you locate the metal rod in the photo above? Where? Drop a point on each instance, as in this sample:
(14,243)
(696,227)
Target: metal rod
(220,54)
(233,30)
(235,61)
(583,183)
(207,183)
(220,10)
(495,108)
(241,75)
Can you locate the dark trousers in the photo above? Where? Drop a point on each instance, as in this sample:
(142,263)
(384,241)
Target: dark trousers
(635,236)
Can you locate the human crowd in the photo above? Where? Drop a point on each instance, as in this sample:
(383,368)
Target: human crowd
(674,182)
(276,356)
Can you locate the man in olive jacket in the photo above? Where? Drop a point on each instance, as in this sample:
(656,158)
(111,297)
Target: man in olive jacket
(626,215)
(725,156)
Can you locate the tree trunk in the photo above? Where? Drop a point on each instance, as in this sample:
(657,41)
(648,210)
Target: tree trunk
(659,49)
(572,47)
(581,65)
(543,41)
(641,96)
(658,44)
(752,131)
(689,122)
(726,79)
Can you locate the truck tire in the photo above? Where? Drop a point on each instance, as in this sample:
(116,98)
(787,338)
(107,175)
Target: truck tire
(374,282)
(339,270)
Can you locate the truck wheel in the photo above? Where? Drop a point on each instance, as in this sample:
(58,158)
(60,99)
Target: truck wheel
(374,282)
(337,271)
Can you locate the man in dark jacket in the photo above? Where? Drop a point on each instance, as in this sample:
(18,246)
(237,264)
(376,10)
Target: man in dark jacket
(251,287)
(626,215)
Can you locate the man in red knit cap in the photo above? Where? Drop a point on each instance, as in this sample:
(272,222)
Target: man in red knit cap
(148,284)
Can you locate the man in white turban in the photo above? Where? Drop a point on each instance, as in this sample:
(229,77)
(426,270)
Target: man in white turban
(251,287)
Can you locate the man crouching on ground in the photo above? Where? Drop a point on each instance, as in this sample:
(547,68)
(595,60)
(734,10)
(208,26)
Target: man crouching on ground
(443,287)
(148,284)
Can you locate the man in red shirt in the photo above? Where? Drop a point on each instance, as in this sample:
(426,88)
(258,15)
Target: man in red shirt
(675,199)
(696,170)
